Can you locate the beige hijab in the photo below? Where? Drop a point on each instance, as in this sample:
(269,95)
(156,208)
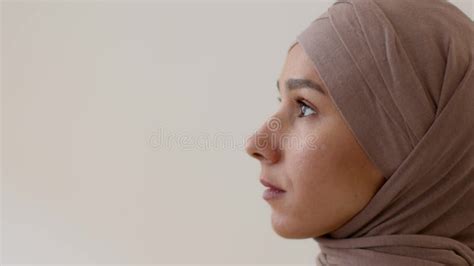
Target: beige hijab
(401,74)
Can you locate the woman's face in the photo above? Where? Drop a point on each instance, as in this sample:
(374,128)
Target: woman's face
(306,149)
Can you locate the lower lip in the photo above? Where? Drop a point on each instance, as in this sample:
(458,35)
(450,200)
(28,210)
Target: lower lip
(272,193)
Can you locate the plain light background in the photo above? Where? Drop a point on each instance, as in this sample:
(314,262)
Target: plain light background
(124,124)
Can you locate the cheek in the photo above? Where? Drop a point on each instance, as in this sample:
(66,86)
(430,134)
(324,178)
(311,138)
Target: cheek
(319,170)
(308,166)
(314,192)
(322,181)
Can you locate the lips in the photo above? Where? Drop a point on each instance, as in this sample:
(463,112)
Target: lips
(270,185)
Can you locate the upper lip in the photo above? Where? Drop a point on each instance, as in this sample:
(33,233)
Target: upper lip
(268,184)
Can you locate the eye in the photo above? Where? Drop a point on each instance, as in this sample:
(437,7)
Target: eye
(279,99)
(305,109)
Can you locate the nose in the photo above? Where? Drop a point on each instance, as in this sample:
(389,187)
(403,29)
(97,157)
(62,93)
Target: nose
(263,144)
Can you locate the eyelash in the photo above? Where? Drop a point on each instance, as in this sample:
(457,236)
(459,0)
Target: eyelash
(301,103)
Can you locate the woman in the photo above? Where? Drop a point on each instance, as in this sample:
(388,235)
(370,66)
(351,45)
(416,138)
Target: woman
(371,151)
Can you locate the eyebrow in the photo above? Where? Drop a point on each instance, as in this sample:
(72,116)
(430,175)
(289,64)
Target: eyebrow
(293,84)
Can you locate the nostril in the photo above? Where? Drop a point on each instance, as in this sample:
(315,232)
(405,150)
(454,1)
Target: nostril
(257,155)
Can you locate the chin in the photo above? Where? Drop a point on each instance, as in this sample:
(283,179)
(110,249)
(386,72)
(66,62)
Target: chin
(290,231)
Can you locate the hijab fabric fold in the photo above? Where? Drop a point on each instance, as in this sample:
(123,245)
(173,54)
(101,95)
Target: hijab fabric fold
(401,74)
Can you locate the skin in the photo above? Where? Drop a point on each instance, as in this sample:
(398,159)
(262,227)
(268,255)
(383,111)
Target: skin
(328,178)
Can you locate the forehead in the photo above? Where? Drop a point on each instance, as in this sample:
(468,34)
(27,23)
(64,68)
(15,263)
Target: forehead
(298,65)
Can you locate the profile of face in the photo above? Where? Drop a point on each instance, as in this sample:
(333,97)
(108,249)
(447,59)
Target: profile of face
(307,150)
